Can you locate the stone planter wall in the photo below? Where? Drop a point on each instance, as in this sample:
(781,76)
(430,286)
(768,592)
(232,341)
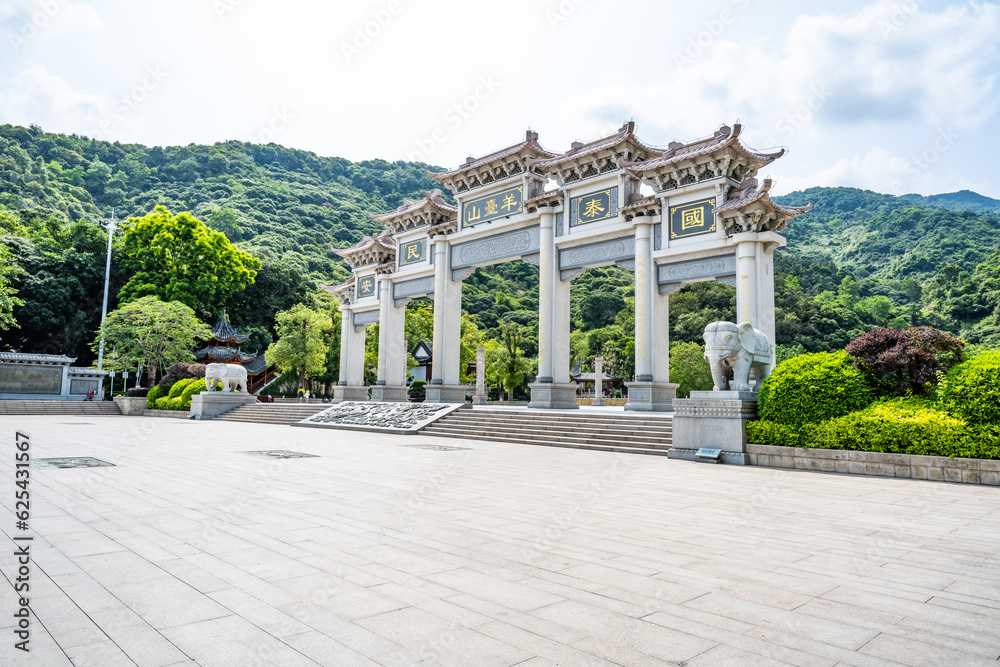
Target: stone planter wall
(937,468)
(170,414)
(131,406)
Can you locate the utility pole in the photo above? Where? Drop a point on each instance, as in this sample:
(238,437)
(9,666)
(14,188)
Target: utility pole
(111,225)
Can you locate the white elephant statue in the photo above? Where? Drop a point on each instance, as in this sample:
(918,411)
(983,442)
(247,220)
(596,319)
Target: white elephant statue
(738,349)
(232,377)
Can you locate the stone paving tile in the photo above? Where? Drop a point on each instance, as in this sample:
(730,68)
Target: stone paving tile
(189,552)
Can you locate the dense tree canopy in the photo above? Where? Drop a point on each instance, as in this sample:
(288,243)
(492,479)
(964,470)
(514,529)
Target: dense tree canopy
(178,258)
(302,343)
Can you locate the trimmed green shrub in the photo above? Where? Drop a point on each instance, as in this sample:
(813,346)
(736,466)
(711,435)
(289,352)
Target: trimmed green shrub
(163,403)
(178,387)
(195,387)
(972,389)
(813,388)
(151,397)
(900,426)
(176,403)
(417,389)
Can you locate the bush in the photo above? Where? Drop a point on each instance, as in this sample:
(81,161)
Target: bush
(417,389)
(176,403)
(138,392)
(902,361)
(901,426)
(972,389)
(152,396)
(197,370)
(178,387)
(813,388)
(195,387)
(178,371)
(689,369)
(163,403)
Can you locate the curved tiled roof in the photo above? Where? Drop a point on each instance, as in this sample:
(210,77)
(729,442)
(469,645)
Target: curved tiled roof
(751,194)
(724,137)
(224,332)
(625,134)
(530,141)
(432,199)
(221,353)
(383,241)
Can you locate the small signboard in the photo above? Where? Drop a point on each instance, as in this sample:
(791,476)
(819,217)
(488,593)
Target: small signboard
(706,455)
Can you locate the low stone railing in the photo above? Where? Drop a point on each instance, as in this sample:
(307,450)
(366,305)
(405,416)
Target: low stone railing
(908,466)
(131,406)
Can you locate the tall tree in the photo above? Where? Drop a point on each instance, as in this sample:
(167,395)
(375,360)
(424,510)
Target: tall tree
(150,333)
(509,364)
(9,272)
(178,258)
(302,341)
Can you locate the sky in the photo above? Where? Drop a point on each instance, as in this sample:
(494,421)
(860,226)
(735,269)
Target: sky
(895,97)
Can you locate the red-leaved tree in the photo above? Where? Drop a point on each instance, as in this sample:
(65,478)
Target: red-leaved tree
(905,360)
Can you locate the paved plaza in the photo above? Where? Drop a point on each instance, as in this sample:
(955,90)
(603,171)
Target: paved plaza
(403,550)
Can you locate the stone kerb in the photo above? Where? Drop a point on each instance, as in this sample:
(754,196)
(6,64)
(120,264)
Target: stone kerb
(396,418)
(880,464)
(131,406)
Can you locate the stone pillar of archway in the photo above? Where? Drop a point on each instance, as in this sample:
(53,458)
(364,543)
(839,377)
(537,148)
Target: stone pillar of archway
(552,388)
(352,360)
(445,385)
(390,385)
(652,390)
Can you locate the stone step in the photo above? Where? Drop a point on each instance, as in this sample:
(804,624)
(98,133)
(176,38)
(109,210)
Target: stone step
(96,408)
(628,448)
(557,433)
(272,413)
(543,438)
(536,417)
(473,422)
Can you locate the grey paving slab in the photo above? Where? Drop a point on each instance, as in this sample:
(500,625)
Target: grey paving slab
(190,553)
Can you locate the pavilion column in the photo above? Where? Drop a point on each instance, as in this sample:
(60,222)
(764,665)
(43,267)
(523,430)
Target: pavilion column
(652,390)
(765,295)
(445,386)
(390,385)
(552,388)
(352,360)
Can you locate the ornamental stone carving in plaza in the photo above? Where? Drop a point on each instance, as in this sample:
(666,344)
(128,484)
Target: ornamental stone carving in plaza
(673,212)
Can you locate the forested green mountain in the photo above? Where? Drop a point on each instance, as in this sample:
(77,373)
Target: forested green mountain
(963,200)
(858,260)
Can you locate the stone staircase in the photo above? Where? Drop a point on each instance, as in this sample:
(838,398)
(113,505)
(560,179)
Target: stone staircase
(108,408)
(629,432)
(272,413)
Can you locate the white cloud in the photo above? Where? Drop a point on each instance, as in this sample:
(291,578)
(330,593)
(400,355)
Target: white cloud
(34,95)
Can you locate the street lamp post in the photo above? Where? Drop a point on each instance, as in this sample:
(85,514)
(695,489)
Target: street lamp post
(111,225)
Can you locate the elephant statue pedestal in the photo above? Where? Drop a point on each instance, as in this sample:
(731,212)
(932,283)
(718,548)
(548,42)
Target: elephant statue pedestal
(713,420)
(209,404)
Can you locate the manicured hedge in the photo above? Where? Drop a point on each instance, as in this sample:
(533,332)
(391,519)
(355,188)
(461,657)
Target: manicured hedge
(904,426)
(178,387)
(972,389)
(813,388)
(194,387)
(151,398)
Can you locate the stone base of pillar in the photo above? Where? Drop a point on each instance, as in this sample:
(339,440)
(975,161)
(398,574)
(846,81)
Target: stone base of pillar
(343,393)
(651,396)
(551,396)
(479,400)
(713,420)
(445,393)
(384,393)
(209,404)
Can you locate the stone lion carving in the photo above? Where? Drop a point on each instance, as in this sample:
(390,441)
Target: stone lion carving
(737,349)
(232,377)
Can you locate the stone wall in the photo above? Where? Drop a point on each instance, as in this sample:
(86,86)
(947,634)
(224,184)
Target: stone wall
(908,466)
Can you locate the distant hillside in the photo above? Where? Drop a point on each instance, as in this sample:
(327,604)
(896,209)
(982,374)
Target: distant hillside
(887,237)
(963,200)
(288,204)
